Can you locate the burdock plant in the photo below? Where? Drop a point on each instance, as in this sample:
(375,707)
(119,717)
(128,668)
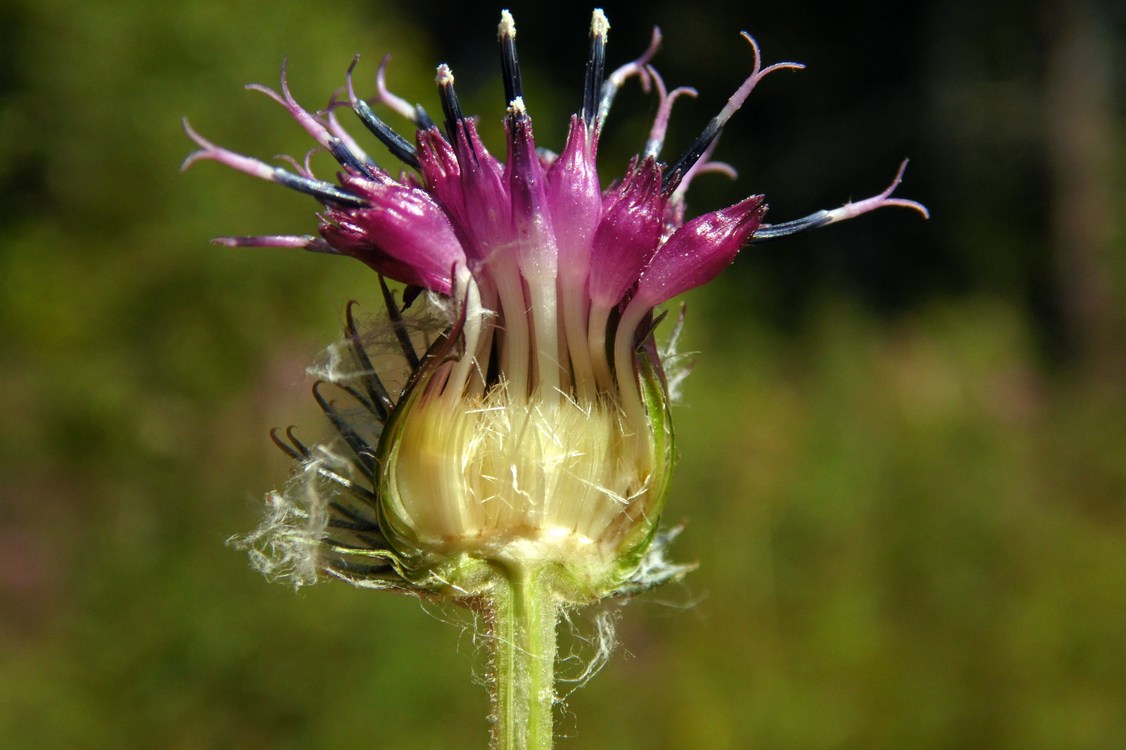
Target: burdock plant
(522,469)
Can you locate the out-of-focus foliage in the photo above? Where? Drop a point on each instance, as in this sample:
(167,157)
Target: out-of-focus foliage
(905,479)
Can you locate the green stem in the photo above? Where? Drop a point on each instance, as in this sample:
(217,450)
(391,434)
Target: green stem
(524,615)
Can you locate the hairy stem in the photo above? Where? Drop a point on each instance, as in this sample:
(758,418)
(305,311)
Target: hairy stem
(523,619)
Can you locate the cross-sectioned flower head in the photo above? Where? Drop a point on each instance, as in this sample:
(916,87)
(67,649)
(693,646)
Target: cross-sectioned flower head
(534,432)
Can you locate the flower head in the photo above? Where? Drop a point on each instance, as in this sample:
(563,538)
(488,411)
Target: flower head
(535,430)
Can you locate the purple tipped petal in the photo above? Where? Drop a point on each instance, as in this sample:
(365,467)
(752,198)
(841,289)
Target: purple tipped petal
(405,235)
(699,251)
(628,234)
(524,174)
(527,186)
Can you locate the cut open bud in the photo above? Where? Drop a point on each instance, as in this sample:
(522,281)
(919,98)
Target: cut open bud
(526,481)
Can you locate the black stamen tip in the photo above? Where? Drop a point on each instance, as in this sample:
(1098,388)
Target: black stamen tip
(509,63)
(675,173)
(325,192)
(804,224)
(346,158)
(399,146)
(595,65)
(451,107)
(422,118)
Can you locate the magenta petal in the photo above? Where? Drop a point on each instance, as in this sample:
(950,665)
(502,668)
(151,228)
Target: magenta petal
(628,234)
(527,185)
(404,235)
(486,212)
(699,251)
(574,197)
(440,171)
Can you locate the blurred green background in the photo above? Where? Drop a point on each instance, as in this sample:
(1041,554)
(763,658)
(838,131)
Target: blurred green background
(903,451)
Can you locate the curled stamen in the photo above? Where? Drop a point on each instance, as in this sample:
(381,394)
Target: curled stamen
(399,146)
(664,110)
(307,168)
(413,112)
(396,103)
(298,167)
(325,192)
(847,211)
(676,172)
(596,64)
(852,210)
(712,167)
(312,125)
(510,64)
(638,67)
(334,126)
(208,151)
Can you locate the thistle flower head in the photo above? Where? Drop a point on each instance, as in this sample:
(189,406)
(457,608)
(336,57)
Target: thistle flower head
(535,429)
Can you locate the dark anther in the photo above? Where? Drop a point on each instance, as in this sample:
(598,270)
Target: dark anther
(422,118)
(399,146)
(509,63)
(675,173)
(346,158)
(399,325)
(774,231)
(595,67)
(451,107)
(325,192)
